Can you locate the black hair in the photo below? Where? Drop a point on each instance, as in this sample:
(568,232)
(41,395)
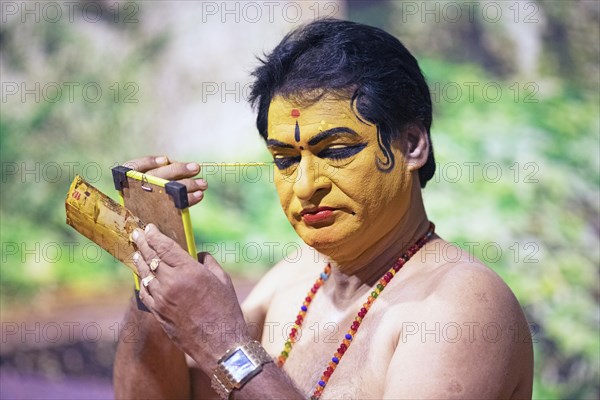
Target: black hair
(349,60)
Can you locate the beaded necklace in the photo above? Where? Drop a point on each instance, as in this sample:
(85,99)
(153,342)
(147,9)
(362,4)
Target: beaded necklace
(348,337)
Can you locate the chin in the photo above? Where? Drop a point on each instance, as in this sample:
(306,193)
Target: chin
(327,240)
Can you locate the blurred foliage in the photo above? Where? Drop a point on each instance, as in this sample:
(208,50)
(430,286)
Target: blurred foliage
(51,131)
(517,180)
(240,220)
(525,201)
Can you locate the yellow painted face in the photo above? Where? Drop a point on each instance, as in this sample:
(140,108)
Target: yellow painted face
(327,179)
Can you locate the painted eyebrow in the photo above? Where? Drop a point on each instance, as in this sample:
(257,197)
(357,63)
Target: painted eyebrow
(277,143)
(329,133)
(315,139)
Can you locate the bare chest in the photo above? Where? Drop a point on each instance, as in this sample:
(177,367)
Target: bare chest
(361,371)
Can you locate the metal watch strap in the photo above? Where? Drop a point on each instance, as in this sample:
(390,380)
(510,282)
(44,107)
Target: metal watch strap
(222,380)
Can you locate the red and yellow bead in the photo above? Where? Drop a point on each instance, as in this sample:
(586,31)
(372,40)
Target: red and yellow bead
(348,337)
(295,331)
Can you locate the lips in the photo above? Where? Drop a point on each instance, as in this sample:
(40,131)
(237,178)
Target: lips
(317,214)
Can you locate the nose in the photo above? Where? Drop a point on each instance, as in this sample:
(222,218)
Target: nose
(310,179)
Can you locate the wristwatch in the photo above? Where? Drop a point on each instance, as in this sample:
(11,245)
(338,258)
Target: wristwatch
(237,366)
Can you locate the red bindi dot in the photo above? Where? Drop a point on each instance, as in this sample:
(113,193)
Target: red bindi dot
(295,113)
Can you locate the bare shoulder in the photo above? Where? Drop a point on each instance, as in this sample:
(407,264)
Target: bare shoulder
(469,286)
(453,281)
(464,289)
(468,332)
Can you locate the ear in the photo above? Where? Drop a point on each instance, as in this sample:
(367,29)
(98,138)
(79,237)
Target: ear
(417,147)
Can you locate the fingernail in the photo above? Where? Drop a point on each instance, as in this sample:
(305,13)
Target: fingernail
(198,194)
(192,166)
(147,229)
(200,181)
(136,257)
(135,235)
(161,160)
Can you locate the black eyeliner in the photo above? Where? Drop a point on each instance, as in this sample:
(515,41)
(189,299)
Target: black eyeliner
(343,152)
(285,162)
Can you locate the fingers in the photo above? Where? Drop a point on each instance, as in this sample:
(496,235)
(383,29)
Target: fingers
(147,285)
(144,248)
(162,167)
(176,170)
(145,164)
(194,184)
(154,244)
(195,189)
(161,246)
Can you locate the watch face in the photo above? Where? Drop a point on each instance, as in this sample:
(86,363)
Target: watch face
(239,365)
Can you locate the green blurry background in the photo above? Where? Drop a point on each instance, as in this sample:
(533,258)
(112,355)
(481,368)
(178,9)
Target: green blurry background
(516,134)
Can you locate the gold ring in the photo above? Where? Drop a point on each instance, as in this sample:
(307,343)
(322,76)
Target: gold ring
(154,264)
(146,280)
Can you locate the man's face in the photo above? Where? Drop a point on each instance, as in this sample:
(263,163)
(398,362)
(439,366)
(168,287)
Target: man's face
(327,178)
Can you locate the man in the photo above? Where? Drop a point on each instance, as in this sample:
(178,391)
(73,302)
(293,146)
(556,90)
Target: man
(380,313)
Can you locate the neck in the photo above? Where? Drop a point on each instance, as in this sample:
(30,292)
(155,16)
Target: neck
(352,276)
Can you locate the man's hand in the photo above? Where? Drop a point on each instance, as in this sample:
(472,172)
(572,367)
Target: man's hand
(150,365)
(162,167)
(194,301)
